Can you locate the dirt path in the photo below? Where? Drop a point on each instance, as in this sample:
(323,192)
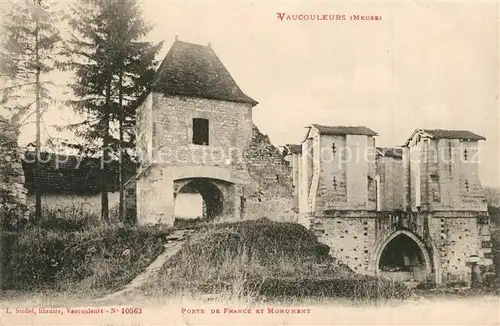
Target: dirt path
(175,241)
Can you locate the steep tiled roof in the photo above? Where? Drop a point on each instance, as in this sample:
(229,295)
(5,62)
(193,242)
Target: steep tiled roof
(395,152)
(453,134)
(195,70)
(294,149)
(344,130)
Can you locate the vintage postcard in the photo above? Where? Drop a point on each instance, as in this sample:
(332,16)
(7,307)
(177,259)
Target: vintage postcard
(249,162)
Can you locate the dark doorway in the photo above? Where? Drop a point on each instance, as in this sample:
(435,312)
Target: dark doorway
(402,259)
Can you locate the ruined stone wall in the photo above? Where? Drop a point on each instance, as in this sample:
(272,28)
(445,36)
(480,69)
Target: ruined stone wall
(12,191)
(270,194)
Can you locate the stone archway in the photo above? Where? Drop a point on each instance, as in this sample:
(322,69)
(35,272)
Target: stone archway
(403,256)
(212,198)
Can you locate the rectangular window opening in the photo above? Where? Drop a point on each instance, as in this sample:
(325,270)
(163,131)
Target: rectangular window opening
(200,131)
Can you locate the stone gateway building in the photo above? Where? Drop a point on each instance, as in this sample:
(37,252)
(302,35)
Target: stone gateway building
(195,135)
(411,213)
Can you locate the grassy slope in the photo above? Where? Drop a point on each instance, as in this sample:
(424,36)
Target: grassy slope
(264,258)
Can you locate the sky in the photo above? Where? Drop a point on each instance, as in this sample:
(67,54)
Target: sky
(423,65)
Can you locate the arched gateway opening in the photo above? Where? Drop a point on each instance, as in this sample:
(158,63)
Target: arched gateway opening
(199,198)
(404,258)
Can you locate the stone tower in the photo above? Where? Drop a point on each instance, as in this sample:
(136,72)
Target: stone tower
(411,213)
(192,131)
(195,135)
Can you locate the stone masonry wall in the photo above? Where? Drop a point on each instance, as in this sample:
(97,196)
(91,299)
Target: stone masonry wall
(350,240)
(347,177)
(457,239)
(230,130)
(236,147)
(445,180)
(12,191)
(144,121)
(332,188)
(155,200)
(270,194)
(449,240)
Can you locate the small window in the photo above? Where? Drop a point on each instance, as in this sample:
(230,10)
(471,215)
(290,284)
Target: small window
(200,131)
(435,188)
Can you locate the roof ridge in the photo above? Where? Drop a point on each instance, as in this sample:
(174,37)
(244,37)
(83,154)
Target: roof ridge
(344,130)
(440,129)
(317,124)
(446,134)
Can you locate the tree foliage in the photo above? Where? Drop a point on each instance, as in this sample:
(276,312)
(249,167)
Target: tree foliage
(493,200)
(106,43)
(21,40)
(113,67)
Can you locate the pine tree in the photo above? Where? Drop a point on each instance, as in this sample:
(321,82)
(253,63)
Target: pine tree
(29,45)
(113,68)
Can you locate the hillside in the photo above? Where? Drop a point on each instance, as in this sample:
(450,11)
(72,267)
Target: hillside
(262,258)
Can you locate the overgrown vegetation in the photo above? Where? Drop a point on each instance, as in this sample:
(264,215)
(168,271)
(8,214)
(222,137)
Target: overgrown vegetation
(495,248)
(268,260)
(65,254)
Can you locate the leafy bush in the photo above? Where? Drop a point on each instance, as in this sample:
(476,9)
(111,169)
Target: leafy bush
(494,213)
